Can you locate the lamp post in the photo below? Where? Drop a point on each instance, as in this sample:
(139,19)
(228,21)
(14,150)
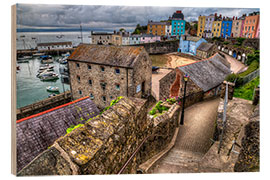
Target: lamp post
(186,77)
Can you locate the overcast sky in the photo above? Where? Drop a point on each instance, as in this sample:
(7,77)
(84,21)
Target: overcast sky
(107,17)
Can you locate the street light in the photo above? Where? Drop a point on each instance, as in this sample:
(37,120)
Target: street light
(186,77)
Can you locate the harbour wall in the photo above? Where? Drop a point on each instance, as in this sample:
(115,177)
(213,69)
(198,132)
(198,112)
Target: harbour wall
(44,105)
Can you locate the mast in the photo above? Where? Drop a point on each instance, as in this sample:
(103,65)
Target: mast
(81,33)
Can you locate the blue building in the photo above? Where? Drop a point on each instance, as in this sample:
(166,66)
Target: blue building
(226,28)
(178,24)
(189,44)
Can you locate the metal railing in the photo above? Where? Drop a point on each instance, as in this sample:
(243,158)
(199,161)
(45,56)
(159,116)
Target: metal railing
(223,117)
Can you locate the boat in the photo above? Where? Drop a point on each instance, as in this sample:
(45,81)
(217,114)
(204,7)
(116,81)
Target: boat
(46,67)
(46,59)
(18,67)
(66,54)
(52,89)
(48,76)
(23,61)
(38,54)
(51,95)
(24,57)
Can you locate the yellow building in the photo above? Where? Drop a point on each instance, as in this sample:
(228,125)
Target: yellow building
(201,24)
(216,28)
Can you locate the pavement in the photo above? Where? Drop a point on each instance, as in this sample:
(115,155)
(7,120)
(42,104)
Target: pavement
(193,140)
(236,66)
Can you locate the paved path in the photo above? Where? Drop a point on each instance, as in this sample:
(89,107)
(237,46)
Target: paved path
(236,66)
(193,140)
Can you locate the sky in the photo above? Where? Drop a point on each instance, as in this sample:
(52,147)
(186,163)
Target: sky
(40,16)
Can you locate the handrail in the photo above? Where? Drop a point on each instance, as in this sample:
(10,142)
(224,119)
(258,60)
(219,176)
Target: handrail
(224,116)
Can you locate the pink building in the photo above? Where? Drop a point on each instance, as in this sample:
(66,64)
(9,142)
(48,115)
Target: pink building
(258,30)
(149,38)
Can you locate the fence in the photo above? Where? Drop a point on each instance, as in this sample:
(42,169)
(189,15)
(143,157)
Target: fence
(224,117)
(251,76)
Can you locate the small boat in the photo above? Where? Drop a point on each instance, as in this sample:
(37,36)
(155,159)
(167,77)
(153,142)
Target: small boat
(18,67)
(66,54)
(48,76)
(22,61)
(38,54)
(24,57)
(52,89)
(46,59)
(51,95)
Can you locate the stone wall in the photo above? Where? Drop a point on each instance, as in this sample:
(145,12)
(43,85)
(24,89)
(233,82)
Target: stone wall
(165,85)
(160,47)
(104,144)
(230,90)
(43,105)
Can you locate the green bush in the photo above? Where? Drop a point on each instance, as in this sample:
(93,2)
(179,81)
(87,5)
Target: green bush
(252,67)
(255,56)
(231,77)
(246,91)
(71,128)
(171,100)
(158,109)
(226,42)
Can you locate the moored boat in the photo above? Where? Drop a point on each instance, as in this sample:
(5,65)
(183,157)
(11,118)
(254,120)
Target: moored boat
(48,76)
(45,59)
(52,89)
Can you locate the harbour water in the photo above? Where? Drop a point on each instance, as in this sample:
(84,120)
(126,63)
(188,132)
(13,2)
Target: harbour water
(30,88)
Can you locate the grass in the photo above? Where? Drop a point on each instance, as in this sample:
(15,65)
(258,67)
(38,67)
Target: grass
(246,91)
(159,60)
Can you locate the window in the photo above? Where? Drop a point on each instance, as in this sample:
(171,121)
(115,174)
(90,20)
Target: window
(117,71)
(91,96)
(78,78)
(252,27)
(104,98)
(102,68)
(108,37)
(80,92)
(78,65)
(89,66)
(117,86)
(90,82)
(103,85)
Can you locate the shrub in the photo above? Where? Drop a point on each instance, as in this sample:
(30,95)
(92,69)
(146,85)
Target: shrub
(171,100)
(71,128)
(231,77)
(158,109)
(255,56)
(252,67)
(226,42)
(246,91)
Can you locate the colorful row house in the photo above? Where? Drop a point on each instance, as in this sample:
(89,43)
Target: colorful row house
(226,27)
(178,24)
(214,26)
(251,25)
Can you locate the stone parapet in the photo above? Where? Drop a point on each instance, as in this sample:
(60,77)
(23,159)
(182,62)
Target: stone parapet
(107,142)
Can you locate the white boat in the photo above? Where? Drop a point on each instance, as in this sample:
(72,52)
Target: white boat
(66,54)
(24,57)
(46,59)
(38,54)
(48,76)
(52,89)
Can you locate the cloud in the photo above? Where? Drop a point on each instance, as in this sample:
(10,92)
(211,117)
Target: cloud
(107,17)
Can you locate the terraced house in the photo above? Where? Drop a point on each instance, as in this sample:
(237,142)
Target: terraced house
(216,26)
(251,25)
(201,25)
(106,72)
(237,26)
(178,24)
(157,28)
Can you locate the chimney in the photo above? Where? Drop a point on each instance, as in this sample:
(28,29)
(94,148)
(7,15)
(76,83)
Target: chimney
(233,18)
(215,14)
(114,32)
(178,12)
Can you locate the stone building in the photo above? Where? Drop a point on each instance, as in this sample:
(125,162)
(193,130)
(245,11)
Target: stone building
(205,79)
(104,38)
(106,72)
(206,50)
(54,46)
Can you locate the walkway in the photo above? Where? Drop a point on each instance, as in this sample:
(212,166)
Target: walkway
(236,66)
(193,140)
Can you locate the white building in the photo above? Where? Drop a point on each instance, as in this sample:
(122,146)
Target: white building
(54,46)
(168,29)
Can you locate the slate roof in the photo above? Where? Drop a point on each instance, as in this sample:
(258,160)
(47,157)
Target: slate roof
(158,23)
(121,56)
(205,46)
(54,43)
(191,38)
(178,16)
(36,133)
(208,73)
